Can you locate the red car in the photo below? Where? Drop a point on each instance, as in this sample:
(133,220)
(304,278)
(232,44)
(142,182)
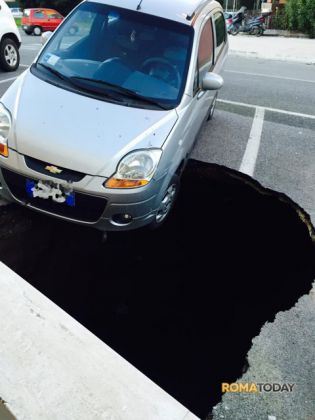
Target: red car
(36,21)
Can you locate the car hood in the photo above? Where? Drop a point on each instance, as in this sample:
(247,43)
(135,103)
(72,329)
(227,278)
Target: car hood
(78,132)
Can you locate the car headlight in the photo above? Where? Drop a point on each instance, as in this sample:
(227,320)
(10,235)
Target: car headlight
(5,126)
(135,170)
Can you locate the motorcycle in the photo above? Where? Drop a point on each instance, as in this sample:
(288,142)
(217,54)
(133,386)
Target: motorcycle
(254,26)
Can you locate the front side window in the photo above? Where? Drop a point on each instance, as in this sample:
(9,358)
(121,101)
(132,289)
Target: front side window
(205,54)
(39,14)
(109,51)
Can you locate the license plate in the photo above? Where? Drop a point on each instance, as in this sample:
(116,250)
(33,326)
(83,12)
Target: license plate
(48,190)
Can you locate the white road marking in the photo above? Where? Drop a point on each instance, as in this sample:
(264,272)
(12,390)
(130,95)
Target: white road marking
(250,156)
(266,108)
(8,80)
(31,48)
(270,75)
(25,65)
(38,44)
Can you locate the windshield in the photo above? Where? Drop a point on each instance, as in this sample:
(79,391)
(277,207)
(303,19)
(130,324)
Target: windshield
(104,50)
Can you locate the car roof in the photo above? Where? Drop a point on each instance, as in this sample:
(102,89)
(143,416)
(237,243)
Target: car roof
(178,10)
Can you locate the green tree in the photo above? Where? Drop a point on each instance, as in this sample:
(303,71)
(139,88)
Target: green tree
(301,16)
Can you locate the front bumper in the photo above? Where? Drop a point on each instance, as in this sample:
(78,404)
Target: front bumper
(95,205)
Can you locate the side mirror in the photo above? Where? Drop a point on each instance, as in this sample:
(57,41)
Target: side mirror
(212,81)
(45,37)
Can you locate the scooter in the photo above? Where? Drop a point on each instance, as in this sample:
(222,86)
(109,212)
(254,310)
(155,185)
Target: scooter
(254,26)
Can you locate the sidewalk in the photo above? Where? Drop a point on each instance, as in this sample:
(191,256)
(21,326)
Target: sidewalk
(273,48)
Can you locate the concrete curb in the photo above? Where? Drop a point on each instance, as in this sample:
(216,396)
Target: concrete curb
(287,34)
(280,32)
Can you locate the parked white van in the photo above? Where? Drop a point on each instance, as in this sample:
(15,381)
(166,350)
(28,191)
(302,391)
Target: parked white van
(10,40)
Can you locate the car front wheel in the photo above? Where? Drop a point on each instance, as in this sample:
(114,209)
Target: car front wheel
(166,204)
(9,55)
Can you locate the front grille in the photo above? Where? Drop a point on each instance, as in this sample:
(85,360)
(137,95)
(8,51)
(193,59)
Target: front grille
(66,174)
(88,208)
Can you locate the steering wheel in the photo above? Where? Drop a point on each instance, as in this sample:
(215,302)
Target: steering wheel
(151,64)
(103,65)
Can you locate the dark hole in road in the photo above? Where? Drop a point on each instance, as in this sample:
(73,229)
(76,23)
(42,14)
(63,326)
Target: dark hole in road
(182,304)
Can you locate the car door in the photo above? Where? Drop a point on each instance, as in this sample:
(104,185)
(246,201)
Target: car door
(38,19)
(48,20)
(54,19)
(57,19)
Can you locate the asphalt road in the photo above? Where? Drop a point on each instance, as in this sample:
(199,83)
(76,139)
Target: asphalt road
(264,126)
(264,123)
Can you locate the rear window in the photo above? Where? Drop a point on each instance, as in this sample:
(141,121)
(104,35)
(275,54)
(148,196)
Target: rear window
(26,13)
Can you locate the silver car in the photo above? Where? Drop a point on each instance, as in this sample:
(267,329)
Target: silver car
(98,130)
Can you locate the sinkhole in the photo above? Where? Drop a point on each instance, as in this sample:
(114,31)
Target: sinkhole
(182,303)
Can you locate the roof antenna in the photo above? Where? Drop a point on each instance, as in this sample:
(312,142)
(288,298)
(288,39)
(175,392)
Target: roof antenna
(139,5)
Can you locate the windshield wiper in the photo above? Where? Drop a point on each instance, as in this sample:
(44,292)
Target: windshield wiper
(71,80)
(53,71)
(125,91)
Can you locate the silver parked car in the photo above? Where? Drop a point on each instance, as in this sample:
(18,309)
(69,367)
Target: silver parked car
(98,130)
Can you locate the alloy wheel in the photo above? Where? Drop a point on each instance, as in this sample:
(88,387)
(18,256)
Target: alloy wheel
(166,204)
(10,55)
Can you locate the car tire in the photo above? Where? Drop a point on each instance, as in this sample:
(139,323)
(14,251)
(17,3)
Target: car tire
(212,107)
(9,55)
(167,203)
(37,31)
(28,32)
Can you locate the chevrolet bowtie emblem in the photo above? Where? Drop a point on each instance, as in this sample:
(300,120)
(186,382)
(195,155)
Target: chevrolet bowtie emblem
(53,169)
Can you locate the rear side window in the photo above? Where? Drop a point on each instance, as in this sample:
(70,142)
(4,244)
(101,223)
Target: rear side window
(26,13)
(52,14)
(220,29)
